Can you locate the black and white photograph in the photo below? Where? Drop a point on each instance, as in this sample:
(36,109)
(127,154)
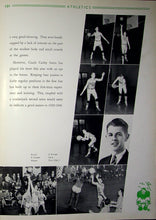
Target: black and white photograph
(90,189)
(121,89)
(128,37)
(77,109)
(28,190)
(115,139)
(85,140)
(91,90)
(97,41)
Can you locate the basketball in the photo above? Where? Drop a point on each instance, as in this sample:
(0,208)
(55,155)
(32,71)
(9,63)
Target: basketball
(79,137)
(89,34)
(92,170)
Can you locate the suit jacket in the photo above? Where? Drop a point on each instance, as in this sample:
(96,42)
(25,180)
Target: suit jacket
(123,160)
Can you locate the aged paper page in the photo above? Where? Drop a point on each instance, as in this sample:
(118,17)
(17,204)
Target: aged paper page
(77,109)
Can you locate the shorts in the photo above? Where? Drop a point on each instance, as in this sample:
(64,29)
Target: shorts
(124,48)
(91,92)
(97,44)
(122,88)
(91,143)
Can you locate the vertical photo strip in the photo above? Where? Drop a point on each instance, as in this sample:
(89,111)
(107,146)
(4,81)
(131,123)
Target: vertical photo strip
(94,180)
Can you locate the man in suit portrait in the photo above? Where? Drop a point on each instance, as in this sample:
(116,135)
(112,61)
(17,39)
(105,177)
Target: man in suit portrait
(117,135)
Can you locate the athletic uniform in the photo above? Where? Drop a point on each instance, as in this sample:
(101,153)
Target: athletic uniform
(91,89)
(97,41)
(124,43)
(35,202)
(27,204)
(77,186)
(41,200)
(91,137)
(75,192)
(122,85)
(100,191)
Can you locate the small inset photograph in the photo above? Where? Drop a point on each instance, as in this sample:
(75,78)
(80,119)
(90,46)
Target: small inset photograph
(27,190)
(85,140)
(97,41)
(90,189)
(121,89)
(91,90)
(128,37)
(115,139)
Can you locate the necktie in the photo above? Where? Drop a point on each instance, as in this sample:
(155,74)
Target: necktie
(114,160)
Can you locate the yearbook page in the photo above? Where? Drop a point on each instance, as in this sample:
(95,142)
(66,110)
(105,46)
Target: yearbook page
(77,131)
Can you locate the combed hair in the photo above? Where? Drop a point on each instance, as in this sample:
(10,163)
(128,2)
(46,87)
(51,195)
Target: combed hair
(118,122)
